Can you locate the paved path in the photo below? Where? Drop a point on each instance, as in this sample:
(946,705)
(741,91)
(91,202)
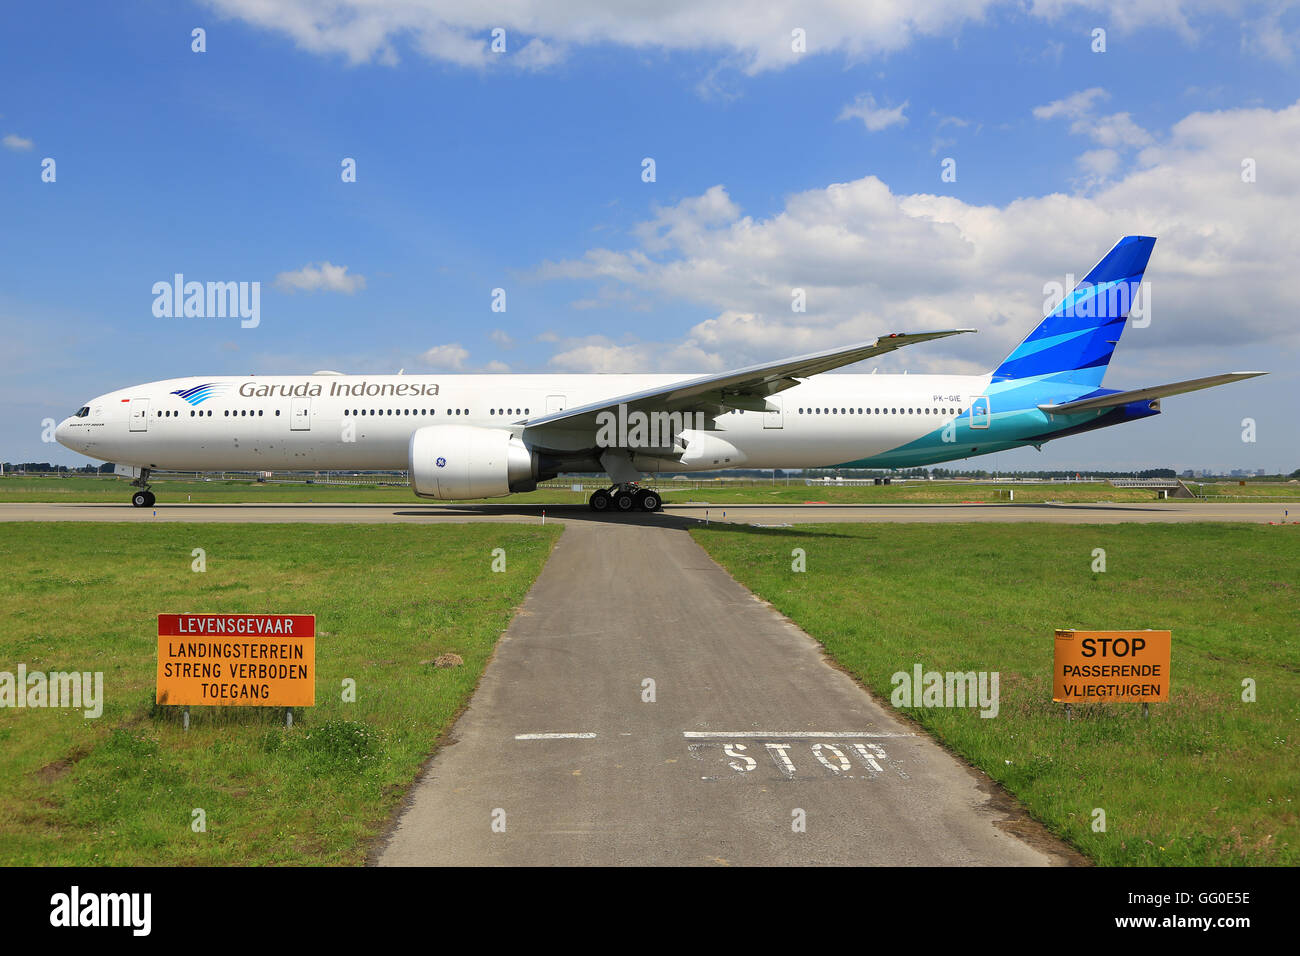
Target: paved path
(749,726)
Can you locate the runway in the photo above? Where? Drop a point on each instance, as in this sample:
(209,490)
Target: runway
(672,516)
(643,708)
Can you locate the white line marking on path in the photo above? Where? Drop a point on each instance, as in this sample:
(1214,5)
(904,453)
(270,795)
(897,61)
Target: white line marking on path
(789,734)
(554,736)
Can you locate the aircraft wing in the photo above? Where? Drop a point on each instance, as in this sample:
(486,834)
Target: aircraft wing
(746,388)
(1140,394)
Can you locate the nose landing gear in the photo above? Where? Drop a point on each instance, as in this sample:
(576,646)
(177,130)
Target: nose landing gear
(144,497)
(625,497)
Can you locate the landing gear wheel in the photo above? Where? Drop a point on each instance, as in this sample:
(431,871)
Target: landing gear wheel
(648,500)
(599,501)
(142,499)
(624,501)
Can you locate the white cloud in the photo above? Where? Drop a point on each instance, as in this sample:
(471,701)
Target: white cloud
(597,353)
(1099,162)
(1115,132)
(495,366)
(872,261)
(1073,106)
(874,117)
(17,143)
(1267,37)
(1117,129)
(744,35)
(537,54)
(502,338)
(684,224)
(325,277)
(448,357)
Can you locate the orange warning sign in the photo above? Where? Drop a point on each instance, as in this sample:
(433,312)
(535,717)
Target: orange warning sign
(1103,666)
(242,660)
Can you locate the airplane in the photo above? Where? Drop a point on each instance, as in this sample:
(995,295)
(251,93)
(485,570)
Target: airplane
(483,436)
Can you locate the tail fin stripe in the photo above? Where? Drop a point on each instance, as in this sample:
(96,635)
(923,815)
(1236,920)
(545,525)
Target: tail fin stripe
(1076,340)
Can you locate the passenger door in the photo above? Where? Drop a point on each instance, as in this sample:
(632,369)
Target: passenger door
(139,415)
(300,415)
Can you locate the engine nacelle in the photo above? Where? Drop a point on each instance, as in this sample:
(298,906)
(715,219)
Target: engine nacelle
(464,461)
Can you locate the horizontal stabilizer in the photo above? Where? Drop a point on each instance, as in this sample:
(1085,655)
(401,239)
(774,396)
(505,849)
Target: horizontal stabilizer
(1141,394)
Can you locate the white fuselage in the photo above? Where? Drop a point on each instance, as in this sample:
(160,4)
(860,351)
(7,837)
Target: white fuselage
(338,422)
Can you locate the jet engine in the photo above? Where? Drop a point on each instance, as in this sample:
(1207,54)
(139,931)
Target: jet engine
(464,461)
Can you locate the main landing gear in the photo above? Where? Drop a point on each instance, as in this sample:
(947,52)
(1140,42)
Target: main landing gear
(625,497)
(144,497)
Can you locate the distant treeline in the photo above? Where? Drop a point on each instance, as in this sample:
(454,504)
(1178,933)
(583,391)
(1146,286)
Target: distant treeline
(44,467)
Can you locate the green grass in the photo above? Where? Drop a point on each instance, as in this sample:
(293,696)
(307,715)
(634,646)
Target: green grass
(121,789)
(1208,780)
(19,488)
(1233,489)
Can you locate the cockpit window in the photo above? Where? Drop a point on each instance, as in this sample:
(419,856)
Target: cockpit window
(82,412)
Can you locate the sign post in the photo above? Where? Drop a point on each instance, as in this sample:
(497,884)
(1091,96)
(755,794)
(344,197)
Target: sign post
(237,660)
(1111,666)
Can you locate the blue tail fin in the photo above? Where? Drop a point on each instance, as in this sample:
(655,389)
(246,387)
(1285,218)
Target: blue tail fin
(1077,338)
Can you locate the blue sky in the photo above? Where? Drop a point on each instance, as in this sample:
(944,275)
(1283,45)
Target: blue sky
(523,171)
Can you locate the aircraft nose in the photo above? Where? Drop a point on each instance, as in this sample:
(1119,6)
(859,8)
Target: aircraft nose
(63,435)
